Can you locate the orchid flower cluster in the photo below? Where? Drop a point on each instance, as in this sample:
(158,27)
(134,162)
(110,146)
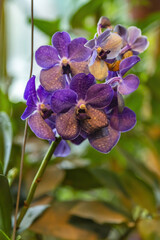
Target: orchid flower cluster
(82,84)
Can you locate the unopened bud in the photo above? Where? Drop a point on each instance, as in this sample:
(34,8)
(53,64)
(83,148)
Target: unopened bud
(104,22)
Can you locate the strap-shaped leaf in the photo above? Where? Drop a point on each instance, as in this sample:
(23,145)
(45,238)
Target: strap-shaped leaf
(3,236)
(6,129)
(5,206)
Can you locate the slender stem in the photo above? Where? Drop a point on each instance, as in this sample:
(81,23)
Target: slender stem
(37,179)
(20,181)
(25,133)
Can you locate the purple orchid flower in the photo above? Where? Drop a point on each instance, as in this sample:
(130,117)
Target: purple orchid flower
(133,39)
(80,111)
(128,84)
(65,57)
(38,110)
(105,47)
(122,119)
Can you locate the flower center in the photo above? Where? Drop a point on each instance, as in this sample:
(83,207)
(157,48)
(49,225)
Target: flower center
(99,49)
(64,61)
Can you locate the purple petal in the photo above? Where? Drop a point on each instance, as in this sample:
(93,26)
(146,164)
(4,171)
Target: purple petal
(78,140)
(93,57)
(97,119)
(77,51)
(123,121)
(129,84)
(140,44)
(28,111)
(99,95)
(46,56)
(133,34)
(122,31)
(40,127)
(62,100)
(90,44)
(67,125)
(102,37)
(99,69)
(104,139)
(44,96)
(81,83)
(127,64)
(62,150)
(52,79)
(60,41)
(30,89)
(79,67)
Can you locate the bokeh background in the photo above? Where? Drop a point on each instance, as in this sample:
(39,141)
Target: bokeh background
(91,195)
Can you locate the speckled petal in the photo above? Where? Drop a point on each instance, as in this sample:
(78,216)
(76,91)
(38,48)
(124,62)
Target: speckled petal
(40,127)
(30,89)
(104,139)
(99,69)
(133,34)
(52,79)
(60,41)
(127,64)
(81,83)
(46,56)
(97,119)
(99,95)
(77,51)
(62,150)
(62,100)
(67,125)
(123,121)
(79,67)
(128,85)
(140,44)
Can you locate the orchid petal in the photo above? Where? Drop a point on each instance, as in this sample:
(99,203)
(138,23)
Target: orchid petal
(40,127)
(104,139)
(52,79)
(60,41)
(99,95)
(81,83)
(46,56)
(123,121)
(62,100)
(67,125)
(129,84)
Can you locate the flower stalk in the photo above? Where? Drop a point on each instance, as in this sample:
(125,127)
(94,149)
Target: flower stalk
(36,180)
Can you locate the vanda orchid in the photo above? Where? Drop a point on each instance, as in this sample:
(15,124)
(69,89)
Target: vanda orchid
(70,102)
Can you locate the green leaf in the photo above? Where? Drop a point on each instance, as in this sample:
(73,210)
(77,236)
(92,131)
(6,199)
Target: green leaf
(88,9)
(5,205)
(80,178)
(47,27)
(3,236)
(6,128)
(31,215)
(140,192)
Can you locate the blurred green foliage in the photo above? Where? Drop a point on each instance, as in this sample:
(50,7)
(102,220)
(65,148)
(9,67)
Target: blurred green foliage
(126,182)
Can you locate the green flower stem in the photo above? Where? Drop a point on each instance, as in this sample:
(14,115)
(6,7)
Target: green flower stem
(37,179)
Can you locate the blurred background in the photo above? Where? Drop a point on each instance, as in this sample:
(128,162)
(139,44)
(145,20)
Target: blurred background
(91,195)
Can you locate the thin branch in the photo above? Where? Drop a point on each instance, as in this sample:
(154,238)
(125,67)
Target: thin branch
(25,133)
(37,179)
